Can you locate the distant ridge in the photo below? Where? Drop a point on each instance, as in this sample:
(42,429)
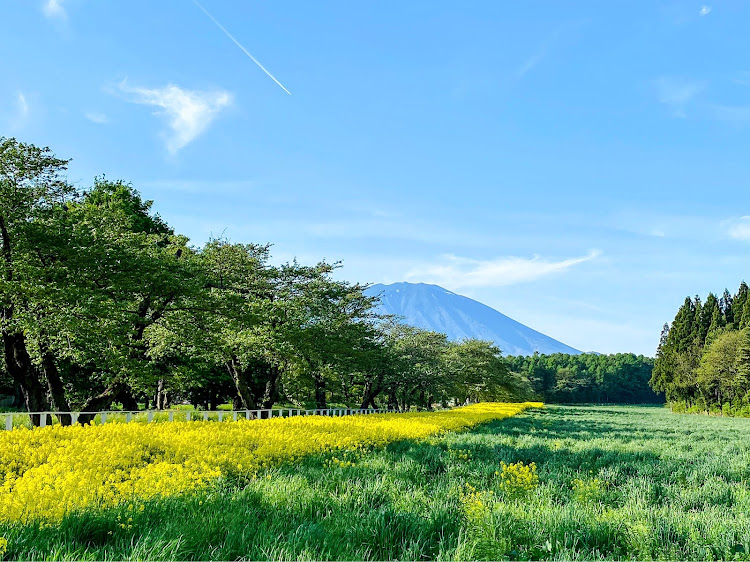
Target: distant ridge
(431,307)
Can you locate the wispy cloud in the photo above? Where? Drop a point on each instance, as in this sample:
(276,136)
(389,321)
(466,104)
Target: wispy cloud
(18,117)
(23,106)
(241,46)
(533,61)
(677,93)
(188,112)
(54,9)
(705,10)
(739,229)
(737,114)
(96,117)
(530,63)
(458,272)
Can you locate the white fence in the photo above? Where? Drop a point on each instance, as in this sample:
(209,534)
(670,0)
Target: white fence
(149,416)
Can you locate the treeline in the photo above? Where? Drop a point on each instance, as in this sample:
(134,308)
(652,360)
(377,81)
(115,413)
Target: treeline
(103,304)
(621,378)
(703,360)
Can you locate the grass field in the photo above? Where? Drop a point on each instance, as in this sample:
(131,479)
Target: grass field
(613,483)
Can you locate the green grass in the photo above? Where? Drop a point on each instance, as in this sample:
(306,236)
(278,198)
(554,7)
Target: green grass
(615,483)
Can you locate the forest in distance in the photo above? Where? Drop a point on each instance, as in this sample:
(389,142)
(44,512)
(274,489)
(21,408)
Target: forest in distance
(103,305)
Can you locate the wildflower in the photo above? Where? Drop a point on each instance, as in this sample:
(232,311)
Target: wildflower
(590,490)
(47,472)
(518,478)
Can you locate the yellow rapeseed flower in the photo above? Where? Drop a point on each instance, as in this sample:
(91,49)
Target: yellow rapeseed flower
(46,472)
(518,478)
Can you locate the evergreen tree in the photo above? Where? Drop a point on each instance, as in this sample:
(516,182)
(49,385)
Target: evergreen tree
(680,337)
(738,306)
(726,307)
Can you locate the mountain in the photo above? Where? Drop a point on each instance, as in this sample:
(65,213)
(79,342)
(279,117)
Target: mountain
(433,308)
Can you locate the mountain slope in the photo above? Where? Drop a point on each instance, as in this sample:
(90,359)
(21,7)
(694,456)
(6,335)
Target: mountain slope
(433,308)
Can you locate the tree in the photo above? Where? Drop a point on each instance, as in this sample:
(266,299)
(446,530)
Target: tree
(718,377)
(31,185)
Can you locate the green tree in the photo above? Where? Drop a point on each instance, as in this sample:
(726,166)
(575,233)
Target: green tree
(718,376)
(31,186)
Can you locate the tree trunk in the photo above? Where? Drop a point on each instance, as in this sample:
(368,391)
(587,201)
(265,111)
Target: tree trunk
(371,390)
(100,402)
(160,395)
(269,396)
(55,385)
(17,396)
(240,382)
(320,391)
(237,403)
(19,366)
(128,401)
(392,400)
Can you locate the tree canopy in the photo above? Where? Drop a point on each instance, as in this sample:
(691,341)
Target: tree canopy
(103,304)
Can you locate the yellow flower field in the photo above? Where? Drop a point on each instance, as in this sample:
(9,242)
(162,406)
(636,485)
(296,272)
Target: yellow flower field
(47,472)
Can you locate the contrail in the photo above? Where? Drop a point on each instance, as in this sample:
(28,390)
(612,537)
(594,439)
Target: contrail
(244,50)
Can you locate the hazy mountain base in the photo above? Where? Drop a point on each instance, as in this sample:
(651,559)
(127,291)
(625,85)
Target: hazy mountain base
(614,483)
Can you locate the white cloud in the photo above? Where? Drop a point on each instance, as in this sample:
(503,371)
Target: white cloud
(18,118)
(188,112)
(23,106)
(705,10)
(460,272)
(677,93)
(54,9)
(739,229)
(96,117)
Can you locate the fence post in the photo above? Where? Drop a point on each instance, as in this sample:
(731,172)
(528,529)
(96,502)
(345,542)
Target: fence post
(221,415)
(128,417)
(104,418)
(8,422)
(73,418)
(188,415)
(248,415)
(234,416)
(205,416)
(171,415)
(150,416)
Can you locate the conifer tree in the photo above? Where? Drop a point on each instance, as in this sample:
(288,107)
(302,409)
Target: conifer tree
(726,307)
(738,305)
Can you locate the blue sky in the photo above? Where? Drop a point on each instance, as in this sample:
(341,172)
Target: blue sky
(580,166)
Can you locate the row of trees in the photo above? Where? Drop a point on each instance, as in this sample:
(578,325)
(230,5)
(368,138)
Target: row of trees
(703,360)
(101,302)
(563,378)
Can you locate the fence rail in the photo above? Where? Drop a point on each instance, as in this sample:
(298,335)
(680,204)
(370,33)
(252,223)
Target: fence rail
(150,416)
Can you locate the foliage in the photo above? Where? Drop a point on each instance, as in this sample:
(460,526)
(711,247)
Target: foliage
(103,305)
(703,360)
(621,378)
